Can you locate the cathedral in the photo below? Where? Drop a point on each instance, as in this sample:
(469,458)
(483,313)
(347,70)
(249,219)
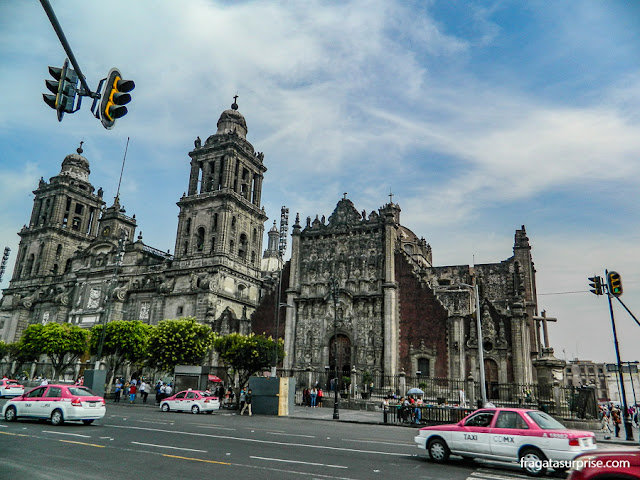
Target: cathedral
(360,290)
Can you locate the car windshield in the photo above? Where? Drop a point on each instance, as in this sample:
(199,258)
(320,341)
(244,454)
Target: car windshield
(12,382)
(545,421)
(81,392)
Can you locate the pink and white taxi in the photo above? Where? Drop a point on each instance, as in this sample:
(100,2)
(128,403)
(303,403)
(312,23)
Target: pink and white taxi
(531,437)
(10,388)
(194,401)
(58,403)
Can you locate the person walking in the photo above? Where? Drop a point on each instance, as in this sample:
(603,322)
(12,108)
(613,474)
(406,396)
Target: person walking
(314,397)
(132,393)
(118,390)
(615,415)
(144,390)
(243,400)
(247,403)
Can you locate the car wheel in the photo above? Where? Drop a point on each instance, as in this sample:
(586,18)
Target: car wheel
(87,422)
(438,450)
(531,460)
(57,418)
(195,409)
(165,407)
(10,414)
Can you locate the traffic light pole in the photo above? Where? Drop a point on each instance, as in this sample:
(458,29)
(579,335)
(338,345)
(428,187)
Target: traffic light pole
(628,428)
(67,48)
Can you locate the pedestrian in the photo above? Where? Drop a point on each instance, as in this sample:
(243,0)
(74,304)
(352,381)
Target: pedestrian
(125,389)
(168,390)
(243,399)
(132,393)
(158,386)
(320,397)
(314,396)
(615,416)
(118,390)
(247,403)
(144,391)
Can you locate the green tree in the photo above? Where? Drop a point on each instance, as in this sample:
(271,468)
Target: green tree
(124,341)
(16,355)
(247,354)
(62,343)
(179,342)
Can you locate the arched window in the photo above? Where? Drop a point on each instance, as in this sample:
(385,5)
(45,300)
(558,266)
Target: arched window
(233,223)
(213,244)
(185,248)
(255,235)
(54,270)
(200,239)
(67,266)
(232,246)
(242,248)
(253,257)
(58,251)
(188,227)
(215,221)
(29,267)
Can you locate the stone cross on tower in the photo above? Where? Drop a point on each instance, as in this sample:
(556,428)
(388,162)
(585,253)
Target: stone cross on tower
(545,331)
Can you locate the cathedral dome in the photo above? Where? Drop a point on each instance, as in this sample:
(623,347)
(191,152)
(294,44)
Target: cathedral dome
(76,166)
(232,121)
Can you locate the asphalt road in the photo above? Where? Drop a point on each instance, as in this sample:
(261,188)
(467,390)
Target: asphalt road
(137,443)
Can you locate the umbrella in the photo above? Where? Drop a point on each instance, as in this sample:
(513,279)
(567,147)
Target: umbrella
(415,391)
(214,379)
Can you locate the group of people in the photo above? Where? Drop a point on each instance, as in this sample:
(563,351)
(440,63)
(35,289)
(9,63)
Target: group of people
(408,409)
(131,389)
(312,397)
(612,414)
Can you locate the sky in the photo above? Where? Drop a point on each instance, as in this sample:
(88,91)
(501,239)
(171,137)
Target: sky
(479,117)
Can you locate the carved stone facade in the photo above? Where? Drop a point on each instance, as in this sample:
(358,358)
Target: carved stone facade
(395,311)
(78,261)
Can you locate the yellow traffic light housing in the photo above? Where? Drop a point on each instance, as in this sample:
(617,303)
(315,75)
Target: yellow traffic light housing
(596,285)
(114,98)
(614,281)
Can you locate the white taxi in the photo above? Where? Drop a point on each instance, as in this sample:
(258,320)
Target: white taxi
(10,388)
(194,401)
(531,437)
(59,403)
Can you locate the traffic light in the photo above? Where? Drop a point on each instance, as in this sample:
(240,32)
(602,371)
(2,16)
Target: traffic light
(114,98)
(615,283)
(64,88)
(596,285)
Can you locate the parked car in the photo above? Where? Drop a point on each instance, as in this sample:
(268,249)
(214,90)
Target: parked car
(195,401)
(58,403)
(531,437)
(10,388)
(618,464)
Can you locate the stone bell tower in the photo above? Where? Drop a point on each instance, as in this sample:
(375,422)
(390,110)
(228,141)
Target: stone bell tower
(221,222)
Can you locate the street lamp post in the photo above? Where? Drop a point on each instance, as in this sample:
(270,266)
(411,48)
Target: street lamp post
(333,285)
(483,386)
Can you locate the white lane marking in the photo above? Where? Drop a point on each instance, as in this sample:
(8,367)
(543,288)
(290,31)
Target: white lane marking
(70,434)
(512,474)
(490,476)
(168,446)
(154,422)
(296,461)
(225,437)
(405,444)
(217,427)
(290,434)
(3,426)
